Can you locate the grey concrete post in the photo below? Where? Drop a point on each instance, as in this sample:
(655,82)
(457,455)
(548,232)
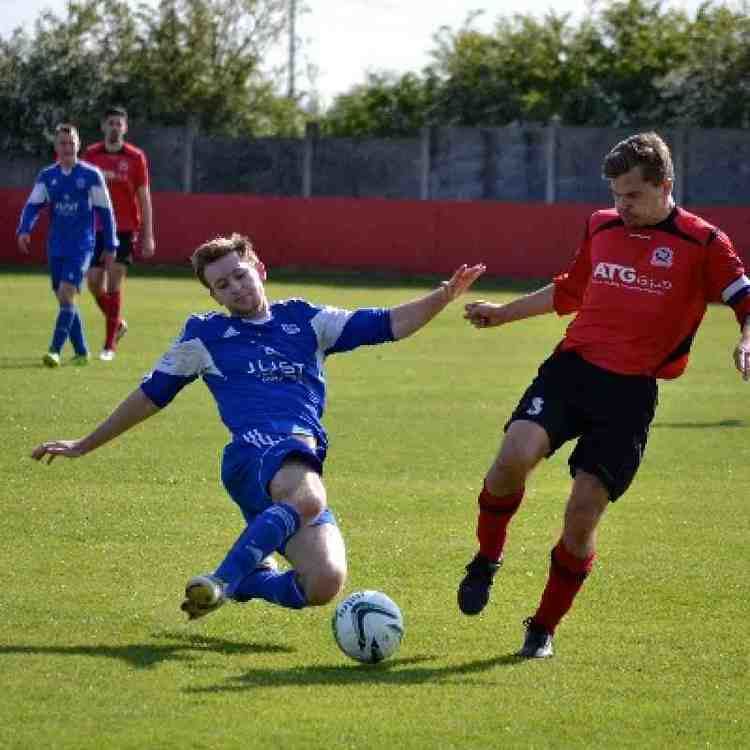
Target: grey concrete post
(679,162)
(553,139)
(425,163)
(188,153)
(312,133)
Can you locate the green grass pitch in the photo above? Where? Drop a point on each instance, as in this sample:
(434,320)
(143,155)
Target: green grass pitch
(94,553)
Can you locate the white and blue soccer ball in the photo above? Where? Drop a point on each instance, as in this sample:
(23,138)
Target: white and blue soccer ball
(368,626)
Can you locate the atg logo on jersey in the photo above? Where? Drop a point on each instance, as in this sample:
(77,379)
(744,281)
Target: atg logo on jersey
(290,328)
(626,276)
(663,257)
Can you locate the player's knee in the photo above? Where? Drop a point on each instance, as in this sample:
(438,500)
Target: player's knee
(325,585)
(309,499)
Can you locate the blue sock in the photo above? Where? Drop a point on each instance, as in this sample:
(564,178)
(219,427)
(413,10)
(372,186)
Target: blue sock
(274,587)
(77,334)
(267,532)
(62,327)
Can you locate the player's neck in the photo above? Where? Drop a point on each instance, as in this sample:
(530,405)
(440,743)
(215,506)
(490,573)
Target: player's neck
(114,148)
(666,211)
(261,315)
(67,165)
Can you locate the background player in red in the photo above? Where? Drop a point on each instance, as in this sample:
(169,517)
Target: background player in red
(126,170)
(639,286)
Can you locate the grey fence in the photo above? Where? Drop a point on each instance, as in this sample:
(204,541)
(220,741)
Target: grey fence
(517,163)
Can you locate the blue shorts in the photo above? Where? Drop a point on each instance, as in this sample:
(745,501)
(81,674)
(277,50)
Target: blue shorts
(69,269)
(247,471)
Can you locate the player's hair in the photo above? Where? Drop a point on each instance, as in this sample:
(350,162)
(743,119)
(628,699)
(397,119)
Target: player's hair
(115,112)
(217,248)
(645,150)
(66,127)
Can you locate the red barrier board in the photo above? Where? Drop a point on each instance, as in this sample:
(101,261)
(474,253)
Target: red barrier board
(519,240)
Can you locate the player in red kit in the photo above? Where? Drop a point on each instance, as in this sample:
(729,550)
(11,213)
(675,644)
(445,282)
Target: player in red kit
(639,286)
(126,170)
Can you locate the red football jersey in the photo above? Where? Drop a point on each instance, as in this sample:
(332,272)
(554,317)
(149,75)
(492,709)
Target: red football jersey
(640,293)
(125,170)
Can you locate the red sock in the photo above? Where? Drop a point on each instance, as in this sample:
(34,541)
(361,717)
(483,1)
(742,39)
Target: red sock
(494,516)
(113,318)
(566,576)
(103,302)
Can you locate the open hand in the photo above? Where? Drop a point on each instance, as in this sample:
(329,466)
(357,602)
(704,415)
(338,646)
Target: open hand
(462,279)
(54,448)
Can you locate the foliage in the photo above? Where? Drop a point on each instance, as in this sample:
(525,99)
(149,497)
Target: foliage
(627,62)
(197,61)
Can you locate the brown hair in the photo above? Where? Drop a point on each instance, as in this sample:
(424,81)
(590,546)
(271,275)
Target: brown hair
(216,249)
(645,150)
(115,112)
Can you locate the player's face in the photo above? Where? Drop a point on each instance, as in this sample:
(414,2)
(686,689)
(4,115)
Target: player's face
(114,128)
(238,285)
(66,148)
(641,203)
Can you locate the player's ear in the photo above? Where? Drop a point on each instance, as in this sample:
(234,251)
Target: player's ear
(261,269)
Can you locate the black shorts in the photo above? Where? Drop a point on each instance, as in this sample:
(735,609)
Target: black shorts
(124,251)
(610,414)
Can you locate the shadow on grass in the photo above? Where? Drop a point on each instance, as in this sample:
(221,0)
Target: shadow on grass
(148,655)
(21,363)
(393,672)
(701,425)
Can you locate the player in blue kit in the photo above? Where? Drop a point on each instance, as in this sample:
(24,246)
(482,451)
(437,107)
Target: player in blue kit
(263,364)
(75,192)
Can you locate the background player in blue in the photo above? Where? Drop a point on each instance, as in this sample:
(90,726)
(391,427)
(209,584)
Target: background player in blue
(74,191)
(263,363)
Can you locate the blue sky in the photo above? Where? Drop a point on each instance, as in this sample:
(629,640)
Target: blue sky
(343,39)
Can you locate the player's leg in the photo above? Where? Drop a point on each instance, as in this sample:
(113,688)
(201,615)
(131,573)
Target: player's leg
(66,278)
(280,490)
(96,276)
(571,561)
(78,270)
(524,445)
(116,326)
(604,463)
(536,428)
(318,555)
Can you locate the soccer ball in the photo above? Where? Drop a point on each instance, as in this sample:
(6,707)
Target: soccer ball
(368,626)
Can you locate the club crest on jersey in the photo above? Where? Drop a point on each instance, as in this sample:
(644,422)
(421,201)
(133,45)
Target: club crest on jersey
(80,183)
(290,328)
(662,257)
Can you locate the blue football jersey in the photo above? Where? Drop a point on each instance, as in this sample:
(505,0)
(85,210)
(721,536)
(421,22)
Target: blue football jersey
(74,198)
(266,376)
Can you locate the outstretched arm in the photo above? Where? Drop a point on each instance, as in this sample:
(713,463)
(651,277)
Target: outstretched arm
(411,316)
(483,314)
(133,410)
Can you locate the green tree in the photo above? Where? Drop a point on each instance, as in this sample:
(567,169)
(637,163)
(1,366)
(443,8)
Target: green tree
(711,88)
(384,106)
(196,61)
